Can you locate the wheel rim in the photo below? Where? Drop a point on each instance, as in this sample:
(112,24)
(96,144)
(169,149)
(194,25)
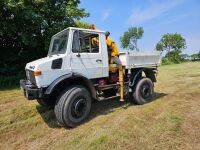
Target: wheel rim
(145,91)
(79,107)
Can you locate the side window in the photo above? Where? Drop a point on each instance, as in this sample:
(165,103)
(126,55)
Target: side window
(94,43)
(75,45)
(85,42)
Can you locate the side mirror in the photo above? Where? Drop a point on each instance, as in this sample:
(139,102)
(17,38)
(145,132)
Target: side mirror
(80,42)
(56,47)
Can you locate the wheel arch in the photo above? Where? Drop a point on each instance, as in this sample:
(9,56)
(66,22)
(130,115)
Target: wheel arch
(136,74)
(71,79)
(150,73)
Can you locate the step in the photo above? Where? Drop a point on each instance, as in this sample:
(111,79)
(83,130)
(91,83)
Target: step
(107,98)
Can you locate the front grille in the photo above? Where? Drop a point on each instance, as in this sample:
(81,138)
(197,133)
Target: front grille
(30,76)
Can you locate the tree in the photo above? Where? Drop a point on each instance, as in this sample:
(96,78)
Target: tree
(173,44)
(81,24)
(130,38)
(26,27)
(196,56)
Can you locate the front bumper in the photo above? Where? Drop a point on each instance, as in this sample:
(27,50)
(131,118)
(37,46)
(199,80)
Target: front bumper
(31,92)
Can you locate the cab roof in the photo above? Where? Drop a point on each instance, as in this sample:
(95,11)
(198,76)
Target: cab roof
(91,30)
(82,29)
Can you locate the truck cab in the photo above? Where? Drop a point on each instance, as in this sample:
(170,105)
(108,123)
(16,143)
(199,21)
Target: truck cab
(69,53)
(76,70)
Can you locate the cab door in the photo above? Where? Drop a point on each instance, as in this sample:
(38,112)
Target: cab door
(86,56)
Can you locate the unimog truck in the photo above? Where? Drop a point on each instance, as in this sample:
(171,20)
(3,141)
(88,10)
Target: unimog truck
(76,72)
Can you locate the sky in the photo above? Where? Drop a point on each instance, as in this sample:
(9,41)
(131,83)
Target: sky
(157,17)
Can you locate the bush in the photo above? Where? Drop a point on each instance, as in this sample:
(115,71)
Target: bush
(166,61)
(172,57)
(10,81)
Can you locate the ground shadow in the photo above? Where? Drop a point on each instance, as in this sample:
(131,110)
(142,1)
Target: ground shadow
(98,108)
(158,95)
(47,114)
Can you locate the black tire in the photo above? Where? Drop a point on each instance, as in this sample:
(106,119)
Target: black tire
(73,106)
(46,102)
(144,91)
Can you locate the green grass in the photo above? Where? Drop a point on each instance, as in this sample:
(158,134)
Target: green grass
(171,121)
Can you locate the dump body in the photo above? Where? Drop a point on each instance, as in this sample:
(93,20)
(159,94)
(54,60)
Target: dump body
(136,59)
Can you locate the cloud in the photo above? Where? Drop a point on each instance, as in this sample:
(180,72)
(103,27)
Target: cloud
(192,43)
(155,9)
(105,15)
(193,40)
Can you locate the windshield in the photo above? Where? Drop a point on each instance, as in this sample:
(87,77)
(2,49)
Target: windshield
(59,43)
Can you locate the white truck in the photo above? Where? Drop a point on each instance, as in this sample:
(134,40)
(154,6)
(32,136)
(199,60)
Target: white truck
(75,72)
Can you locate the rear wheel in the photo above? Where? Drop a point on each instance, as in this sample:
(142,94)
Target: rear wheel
(143,91)
(73,106)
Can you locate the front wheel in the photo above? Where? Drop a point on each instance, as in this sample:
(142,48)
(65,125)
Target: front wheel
(143,91)
(46,102)
(73,106)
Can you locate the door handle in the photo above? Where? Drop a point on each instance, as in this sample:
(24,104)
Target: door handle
(98,60)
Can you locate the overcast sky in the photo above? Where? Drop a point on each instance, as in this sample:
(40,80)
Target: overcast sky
(157,17)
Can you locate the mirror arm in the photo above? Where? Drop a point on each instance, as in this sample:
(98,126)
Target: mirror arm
(78,55)
(79,41)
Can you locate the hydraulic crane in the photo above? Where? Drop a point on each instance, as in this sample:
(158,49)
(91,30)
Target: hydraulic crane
(113,58)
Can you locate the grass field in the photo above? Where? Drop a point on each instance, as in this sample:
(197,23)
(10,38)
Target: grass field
(171,121)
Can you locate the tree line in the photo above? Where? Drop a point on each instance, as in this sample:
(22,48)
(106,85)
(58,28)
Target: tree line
(26,28)
(172,44)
